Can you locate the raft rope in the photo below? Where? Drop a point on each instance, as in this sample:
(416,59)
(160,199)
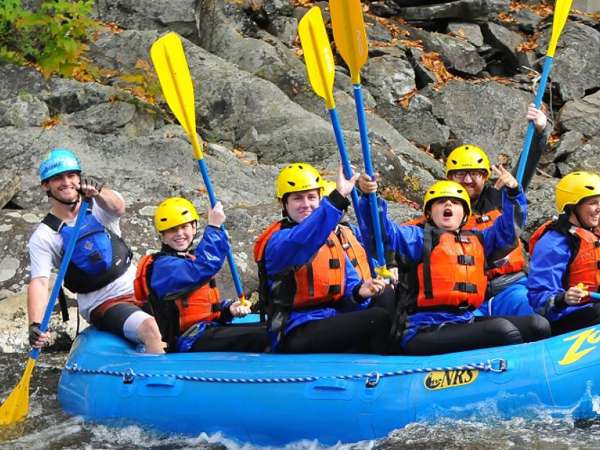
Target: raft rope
(497,365)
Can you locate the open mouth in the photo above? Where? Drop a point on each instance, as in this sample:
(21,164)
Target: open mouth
(448,212)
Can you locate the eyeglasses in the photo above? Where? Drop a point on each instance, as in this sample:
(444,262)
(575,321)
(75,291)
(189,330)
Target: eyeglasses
(462,174)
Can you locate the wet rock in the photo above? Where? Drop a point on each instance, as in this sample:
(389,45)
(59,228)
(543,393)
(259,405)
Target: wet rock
(582,115)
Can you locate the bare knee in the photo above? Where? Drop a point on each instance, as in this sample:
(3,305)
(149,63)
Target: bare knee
(149,334)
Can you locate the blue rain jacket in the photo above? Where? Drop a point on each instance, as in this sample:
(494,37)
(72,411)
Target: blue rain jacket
(407,240)
(171,274)
(547,267)
(295,246)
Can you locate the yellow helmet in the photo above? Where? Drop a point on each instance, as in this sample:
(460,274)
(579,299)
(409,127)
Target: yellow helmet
(444,189)
(298,177)
(574,187)
(173,212)
(467,157)
(328,187)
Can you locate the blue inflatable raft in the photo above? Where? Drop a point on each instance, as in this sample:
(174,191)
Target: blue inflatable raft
(272,399)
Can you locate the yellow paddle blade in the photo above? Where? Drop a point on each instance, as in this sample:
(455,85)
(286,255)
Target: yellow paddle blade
(16,406)
(349,34)
(317,54)
(561,13)
(173,73)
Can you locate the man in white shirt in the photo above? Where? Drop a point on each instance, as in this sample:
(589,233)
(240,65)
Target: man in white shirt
(100,272)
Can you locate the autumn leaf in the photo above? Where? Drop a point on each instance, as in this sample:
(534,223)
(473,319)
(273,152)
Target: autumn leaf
(507,18)
(50,123)
(530,44)
(413,44)
(433,62)
(554,139)
(394,193)
(406,98)
(142,64)
(113,27)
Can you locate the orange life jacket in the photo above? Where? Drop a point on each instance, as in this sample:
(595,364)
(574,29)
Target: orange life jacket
(355,251)
(320,280)
(199,305)
(452,272)
(512,263)
(584,265)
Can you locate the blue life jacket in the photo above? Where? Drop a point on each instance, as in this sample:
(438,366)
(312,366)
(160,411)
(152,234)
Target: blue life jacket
(99,258)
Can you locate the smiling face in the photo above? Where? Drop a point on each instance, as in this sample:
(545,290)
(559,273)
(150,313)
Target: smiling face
(472,180)
(179,238)
(63,186)
(300,205)
(587,212)
(447,213)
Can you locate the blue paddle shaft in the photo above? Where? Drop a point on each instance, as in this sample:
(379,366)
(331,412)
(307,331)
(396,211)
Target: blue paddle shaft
(366,151)
(339,138)
(595,295)
(213,200)
(531,126)
(64,264)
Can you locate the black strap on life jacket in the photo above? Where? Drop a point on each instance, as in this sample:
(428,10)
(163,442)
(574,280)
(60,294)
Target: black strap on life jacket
(430,234)
(77,280)
(564,227)
(275,304)
(165,313)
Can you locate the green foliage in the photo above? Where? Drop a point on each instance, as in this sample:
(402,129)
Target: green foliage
(53,36)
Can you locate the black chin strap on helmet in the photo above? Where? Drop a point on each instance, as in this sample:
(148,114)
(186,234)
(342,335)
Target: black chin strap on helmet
(73,203)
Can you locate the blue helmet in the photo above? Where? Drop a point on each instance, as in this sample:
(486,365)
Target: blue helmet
(59,160)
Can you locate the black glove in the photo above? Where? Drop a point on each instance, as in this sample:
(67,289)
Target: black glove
(93,182)
(34,333)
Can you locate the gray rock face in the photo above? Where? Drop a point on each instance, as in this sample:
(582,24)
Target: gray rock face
(583,157)
(582,115)
(575,66)
(10,184)
(389,79)
(22,111)
(459,9)
(469,31)
(458,54)
(161,15)
(488,114)
(417,123)
(506,41)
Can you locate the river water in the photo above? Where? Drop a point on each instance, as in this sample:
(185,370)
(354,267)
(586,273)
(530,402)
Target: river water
(47,427)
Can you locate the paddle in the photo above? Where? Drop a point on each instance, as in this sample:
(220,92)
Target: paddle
(321,73)
(16,406)
(351,41)
(561,13)
(176,82)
